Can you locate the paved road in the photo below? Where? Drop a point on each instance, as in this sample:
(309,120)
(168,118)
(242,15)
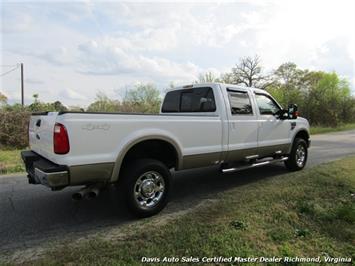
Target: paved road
(31,214)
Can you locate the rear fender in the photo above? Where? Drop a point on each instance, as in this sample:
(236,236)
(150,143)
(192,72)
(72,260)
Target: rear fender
(138,137)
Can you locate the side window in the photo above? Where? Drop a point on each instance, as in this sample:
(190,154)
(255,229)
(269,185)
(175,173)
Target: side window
(209,104)
(186,101)
(171,102)
(197,100)
(267,105)
(189,100)
(240,103)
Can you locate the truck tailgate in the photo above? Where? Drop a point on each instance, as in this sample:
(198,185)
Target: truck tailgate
(41,133)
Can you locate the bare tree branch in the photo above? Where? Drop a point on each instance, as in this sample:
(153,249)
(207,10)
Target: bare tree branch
(249,73)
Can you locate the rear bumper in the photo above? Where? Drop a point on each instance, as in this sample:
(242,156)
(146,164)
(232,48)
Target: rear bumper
(45,172)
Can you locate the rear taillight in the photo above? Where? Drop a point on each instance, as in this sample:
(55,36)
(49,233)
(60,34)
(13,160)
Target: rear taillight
(60,139)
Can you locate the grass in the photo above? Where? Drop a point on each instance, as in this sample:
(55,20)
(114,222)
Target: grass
(10,162)
(308,214)
(322,130)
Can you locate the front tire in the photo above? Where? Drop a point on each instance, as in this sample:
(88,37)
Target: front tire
(298,156)
(146,184)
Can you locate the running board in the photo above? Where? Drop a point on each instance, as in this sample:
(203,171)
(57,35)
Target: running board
(235,169)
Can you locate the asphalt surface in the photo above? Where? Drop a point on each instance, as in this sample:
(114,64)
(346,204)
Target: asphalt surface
(30,215)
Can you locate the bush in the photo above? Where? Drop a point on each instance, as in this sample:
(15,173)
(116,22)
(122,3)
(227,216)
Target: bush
(140,99)
(323,98)
(14,129)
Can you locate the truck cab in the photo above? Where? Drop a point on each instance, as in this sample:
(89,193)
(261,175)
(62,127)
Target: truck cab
(253,124)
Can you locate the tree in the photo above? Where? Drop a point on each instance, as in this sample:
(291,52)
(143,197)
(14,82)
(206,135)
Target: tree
(103,103)
(207,77)
(287,84)
(326,98)
(75,108)
(3,99)
(38,106)
(289,75)
(58,106)
(249,73)
(35,97)
(227,78)
(143,98)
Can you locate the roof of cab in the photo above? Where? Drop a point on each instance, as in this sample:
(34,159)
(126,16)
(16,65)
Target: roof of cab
(190,86)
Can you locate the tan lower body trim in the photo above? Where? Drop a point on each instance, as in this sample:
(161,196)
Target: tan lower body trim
(200,160)
(238,155)
(270,150)
(90,173)
(208,159)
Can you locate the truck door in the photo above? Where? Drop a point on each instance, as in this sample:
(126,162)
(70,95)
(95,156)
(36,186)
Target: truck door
(242,124)
(273,133)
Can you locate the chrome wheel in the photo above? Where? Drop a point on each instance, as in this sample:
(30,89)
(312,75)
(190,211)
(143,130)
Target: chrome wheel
(149,189)
(300,155)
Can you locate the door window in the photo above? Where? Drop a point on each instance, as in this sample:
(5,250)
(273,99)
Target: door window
(240,103)
(267,106)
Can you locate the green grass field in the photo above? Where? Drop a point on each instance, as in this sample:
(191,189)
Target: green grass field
(10,162)
(321,130)
(308,213)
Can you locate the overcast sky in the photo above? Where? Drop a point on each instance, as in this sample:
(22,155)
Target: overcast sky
(71,50)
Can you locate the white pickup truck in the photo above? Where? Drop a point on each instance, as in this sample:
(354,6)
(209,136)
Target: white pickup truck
(199,125)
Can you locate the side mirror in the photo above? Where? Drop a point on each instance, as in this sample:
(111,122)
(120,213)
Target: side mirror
(292,111)
(282,114)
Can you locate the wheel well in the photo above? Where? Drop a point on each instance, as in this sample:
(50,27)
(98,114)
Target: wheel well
(303,134)
(154,149)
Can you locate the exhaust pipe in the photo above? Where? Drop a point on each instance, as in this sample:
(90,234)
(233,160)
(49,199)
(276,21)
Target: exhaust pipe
(92,193)
(80,194)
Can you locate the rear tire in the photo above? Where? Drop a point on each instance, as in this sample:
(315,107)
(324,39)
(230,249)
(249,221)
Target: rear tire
(298,156)
(146,184)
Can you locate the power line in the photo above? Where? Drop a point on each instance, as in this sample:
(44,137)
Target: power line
(7,72)
(8,65)
(22,79)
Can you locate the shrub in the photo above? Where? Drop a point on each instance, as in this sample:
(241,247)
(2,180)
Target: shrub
(13,129)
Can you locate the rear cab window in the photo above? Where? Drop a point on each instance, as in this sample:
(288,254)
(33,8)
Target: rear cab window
(200,99)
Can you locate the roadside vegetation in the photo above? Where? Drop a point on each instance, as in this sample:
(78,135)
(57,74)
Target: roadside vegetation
(14,119)
(322,130)
(323,98)
(309,212)
(10,162)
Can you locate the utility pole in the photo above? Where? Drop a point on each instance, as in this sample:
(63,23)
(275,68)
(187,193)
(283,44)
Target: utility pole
(22,89)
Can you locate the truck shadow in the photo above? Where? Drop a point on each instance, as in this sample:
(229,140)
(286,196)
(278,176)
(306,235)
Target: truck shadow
(197,185)
(39,215)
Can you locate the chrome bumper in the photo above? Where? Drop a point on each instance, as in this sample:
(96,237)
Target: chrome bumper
(45,172)
(53,180)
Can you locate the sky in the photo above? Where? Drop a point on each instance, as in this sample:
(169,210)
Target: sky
(73,50)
